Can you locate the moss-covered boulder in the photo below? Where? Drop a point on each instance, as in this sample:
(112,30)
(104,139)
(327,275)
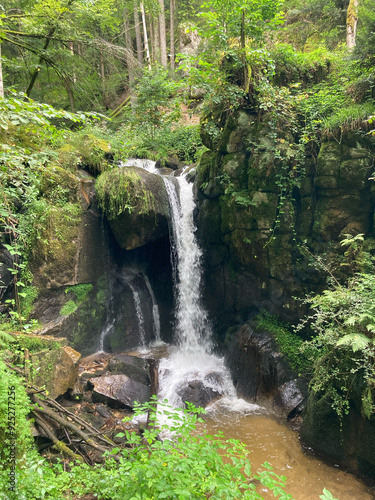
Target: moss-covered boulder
(135,203)
(55,369)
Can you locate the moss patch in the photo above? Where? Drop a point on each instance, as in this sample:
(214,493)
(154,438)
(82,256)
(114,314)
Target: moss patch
(122,190)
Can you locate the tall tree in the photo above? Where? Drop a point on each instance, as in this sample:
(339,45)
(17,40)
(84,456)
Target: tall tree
(138,36)
(172,9)
(145,35)
(163,35)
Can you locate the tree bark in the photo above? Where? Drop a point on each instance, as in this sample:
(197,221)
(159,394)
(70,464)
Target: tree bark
(163,35)
(156,40)
(138,36)
(145,36)
(129,62)
(1,77)
(351,24)
(172,17)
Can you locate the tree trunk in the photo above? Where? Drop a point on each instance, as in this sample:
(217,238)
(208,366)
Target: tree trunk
(71,47)
(172,16)
(102,75)
(351,24)
(156,40)
(145,36)
(45,47)
(138,36)
(1,77)
(129,62)
(163,35)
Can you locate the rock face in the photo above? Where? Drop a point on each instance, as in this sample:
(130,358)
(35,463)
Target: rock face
(351,444)
(247,266)
(57,370)
(143,212)
(259,370)
(84,280)
(119,391)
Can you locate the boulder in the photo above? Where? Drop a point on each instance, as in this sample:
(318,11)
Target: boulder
(135,202)
(137,369)
(118,391)
(56,369)
(199,394)
(171,162)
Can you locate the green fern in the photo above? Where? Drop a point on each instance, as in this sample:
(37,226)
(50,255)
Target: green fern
(357,341)
(5,339)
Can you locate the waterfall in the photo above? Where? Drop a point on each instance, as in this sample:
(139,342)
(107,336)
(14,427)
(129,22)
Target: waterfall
(155,311)
(193,361)
(193,329)
(139,312)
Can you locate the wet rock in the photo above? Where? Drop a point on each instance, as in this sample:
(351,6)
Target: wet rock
(259,370)
(191,175)
(56,369)
(197,393)
(134,367)
(118,391)
(6,277)
(170,162)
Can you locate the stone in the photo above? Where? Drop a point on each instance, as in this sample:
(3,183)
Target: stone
(147,221)
(56,369)
(199,394)
(118,391)
(134,367)
(6,277)
(171,162)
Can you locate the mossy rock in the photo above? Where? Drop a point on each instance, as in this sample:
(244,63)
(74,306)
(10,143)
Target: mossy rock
(58,185)
(136,205)
(56,369)
(54,258)
(94,154)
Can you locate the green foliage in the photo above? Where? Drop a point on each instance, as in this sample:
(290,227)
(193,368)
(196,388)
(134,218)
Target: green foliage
(69,308)
(80,291)
(121,190)
(343,323)
(12,387)
(288,341)
(157,102)
(186,466)
(364,49)
(327,495)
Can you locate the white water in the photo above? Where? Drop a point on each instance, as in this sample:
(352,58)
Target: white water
(155,311)
(140,317)
(193,359)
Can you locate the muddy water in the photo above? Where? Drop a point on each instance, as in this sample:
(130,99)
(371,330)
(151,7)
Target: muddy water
(271,441)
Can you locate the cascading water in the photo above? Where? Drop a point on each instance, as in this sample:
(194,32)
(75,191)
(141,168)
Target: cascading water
(139,313)
(155,311)
(192,362)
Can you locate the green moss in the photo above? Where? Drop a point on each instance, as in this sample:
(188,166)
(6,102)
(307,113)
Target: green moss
(29,295)
(288,342)
(68,308)
(122,190)
(34,343)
